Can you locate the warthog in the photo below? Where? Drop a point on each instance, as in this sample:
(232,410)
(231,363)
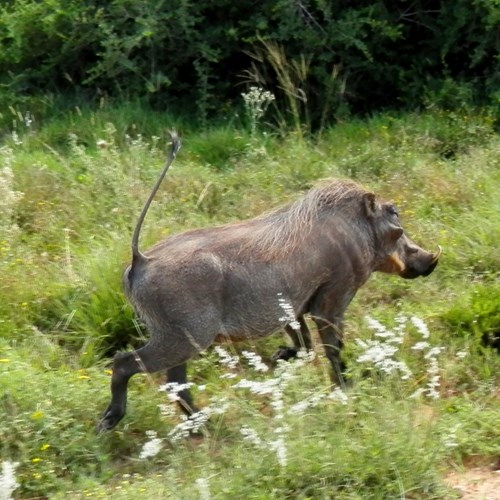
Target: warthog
(228,282)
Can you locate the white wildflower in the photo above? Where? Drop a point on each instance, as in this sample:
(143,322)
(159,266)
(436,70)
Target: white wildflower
(251,436)
(339,395)
(203,488)
(28,119)
(462,354)
(289,318)
(218,406)
(197,421)
(8,481)
(450,439)
(188,425)
(420,346)
(173,388)
(401,322)
(8,196)
(433,352)
(379,329)
(381,352)
(420,326)
(375,352)
(255,361)
(256,102)
(417,393)
(15,138)
(274,389)
(152,447)
(381,355)
(256,97)
(167,410)
(310,402)
(395,336)
(434,378)
(225,358)
(277,404)
(305,356)
(265,387)
(279,446)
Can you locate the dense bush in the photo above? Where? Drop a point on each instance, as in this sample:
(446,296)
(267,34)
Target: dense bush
(477,316)
(321,59)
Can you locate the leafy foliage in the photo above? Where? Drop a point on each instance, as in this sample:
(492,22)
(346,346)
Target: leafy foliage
(322,60)
(477,316)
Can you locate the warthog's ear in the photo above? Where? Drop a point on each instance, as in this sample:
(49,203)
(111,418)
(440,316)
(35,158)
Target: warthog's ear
(370,203)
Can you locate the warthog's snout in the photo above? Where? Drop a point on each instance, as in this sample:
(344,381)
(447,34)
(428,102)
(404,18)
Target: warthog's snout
(418,262)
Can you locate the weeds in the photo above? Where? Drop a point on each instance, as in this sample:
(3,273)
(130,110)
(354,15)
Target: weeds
(292,77)
(256,102)
(383,353)
(9,197)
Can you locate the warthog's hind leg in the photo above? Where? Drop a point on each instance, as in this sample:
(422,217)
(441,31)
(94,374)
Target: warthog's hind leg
(301,340)
(124,366)
(147,359)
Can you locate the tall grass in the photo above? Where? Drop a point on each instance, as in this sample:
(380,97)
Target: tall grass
(424,391)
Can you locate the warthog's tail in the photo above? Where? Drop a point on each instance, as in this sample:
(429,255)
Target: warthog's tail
(176,145)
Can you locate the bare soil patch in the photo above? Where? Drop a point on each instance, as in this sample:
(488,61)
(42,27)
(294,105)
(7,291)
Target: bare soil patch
(479,480)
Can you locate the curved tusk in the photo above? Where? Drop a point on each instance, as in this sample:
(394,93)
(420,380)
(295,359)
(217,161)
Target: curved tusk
(436,256)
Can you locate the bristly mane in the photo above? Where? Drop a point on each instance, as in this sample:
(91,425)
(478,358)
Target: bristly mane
(281,229)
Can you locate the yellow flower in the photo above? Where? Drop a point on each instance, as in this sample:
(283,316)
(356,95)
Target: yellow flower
(37,415)
(36,460)
(83,374)
(44,447)
(4,360)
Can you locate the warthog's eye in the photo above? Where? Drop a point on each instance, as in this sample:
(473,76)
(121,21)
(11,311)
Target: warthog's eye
(392,210)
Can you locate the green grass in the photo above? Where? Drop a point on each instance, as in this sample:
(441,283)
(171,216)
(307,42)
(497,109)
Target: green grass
(68,211)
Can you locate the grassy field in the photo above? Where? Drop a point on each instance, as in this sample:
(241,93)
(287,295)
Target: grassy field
(71,189)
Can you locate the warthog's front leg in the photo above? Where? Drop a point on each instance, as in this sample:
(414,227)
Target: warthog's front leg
(301,340)
(332,337)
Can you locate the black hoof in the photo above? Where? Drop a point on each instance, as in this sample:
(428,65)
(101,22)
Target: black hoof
(285,353)
(188,409)
(108,421)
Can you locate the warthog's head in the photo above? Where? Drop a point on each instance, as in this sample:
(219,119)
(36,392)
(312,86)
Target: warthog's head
(396,253)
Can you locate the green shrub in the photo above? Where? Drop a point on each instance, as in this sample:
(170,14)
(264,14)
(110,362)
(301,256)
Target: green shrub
(322,60)
(475,315)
